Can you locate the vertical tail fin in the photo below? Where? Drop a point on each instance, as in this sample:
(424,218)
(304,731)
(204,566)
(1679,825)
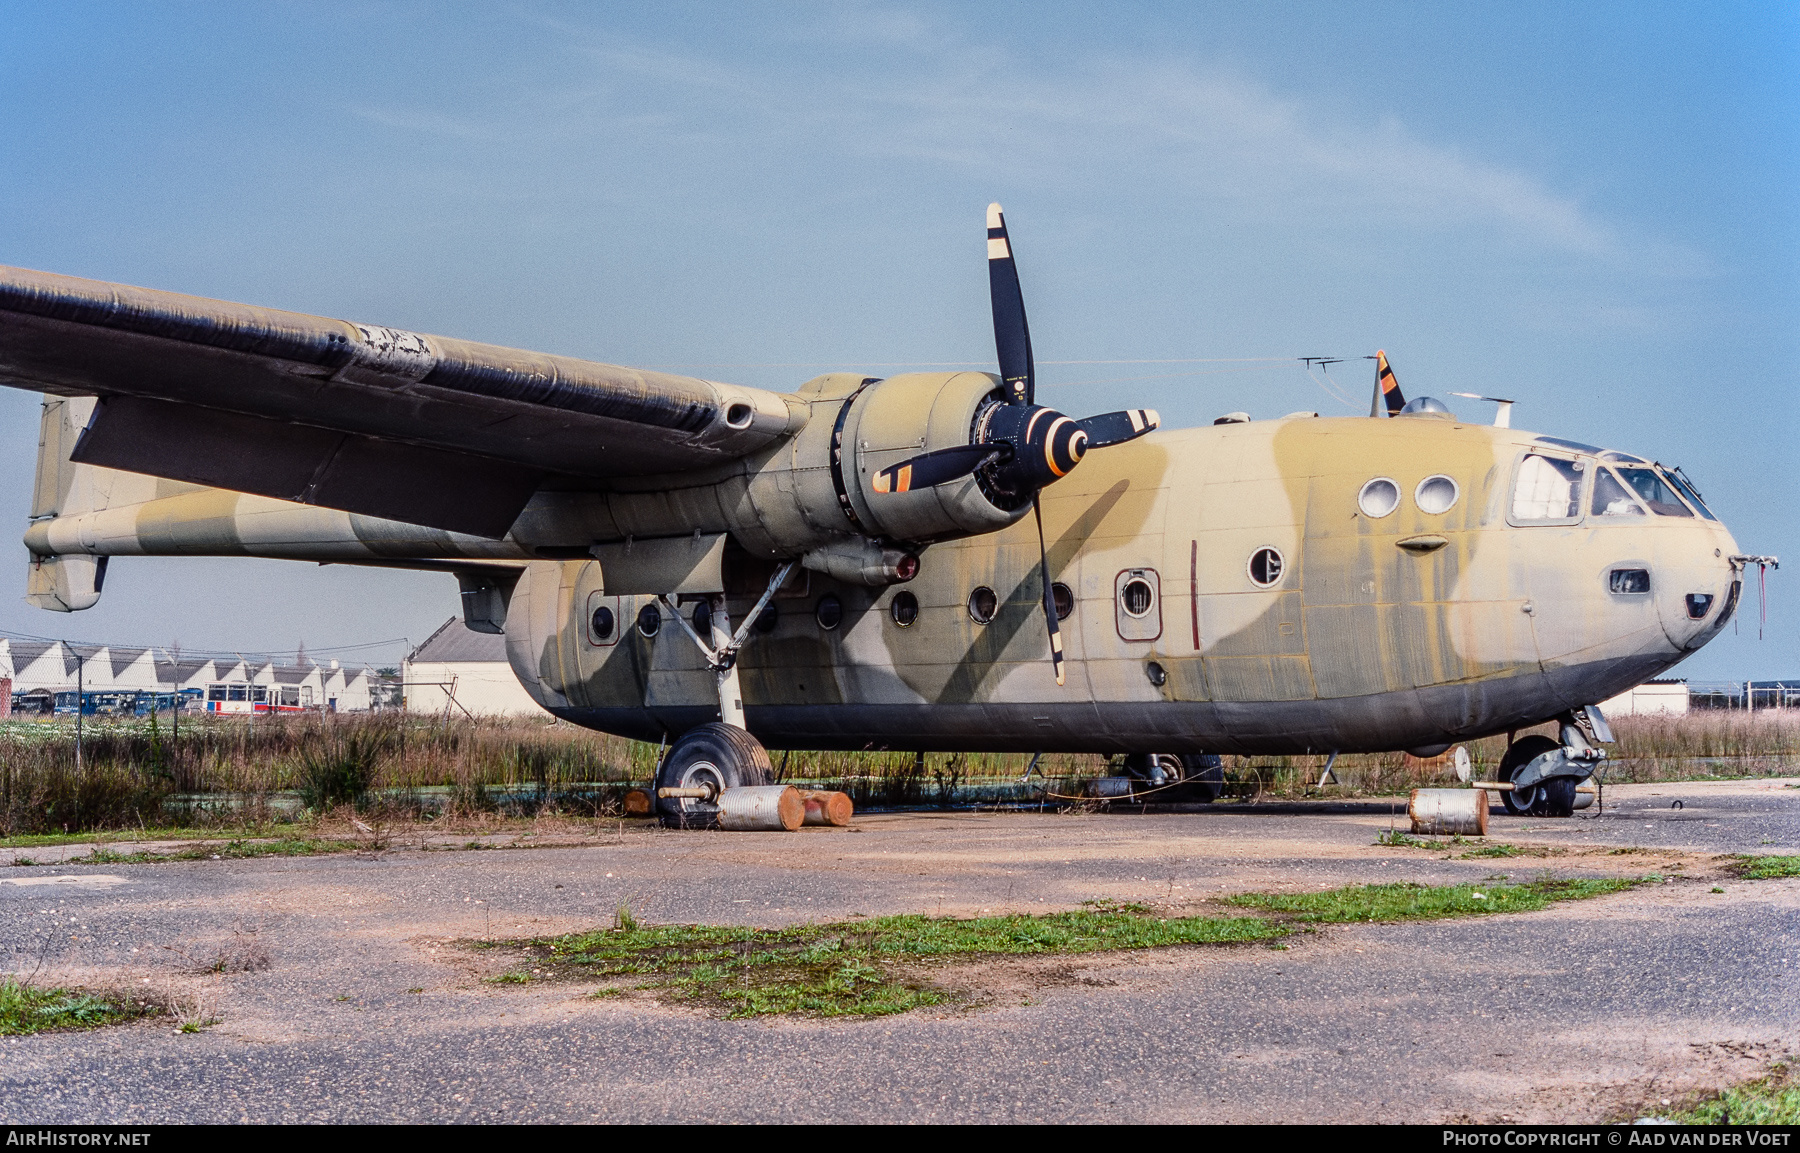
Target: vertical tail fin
(1386,387)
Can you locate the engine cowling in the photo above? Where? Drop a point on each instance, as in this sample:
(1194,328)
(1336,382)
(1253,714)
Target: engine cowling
(815,495)
(902,417)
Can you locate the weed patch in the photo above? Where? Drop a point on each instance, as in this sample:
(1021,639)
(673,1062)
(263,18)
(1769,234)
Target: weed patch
(1752,868)
(1394,839)
(880,965)
(1774,1100)
(230,851)
(29,1009)
(848,968)
(1412,902)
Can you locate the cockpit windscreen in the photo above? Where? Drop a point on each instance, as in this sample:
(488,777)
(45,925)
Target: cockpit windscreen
(1674,477)
(1655,491)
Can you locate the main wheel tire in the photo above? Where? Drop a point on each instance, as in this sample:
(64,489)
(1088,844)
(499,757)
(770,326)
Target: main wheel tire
(1521,802)
(1556,797)
(1205,776)
(718,755)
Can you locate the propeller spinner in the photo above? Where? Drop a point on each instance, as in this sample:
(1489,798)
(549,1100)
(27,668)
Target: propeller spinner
(1019,446)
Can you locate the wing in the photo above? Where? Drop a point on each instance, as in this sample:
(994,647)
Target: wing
(427,429)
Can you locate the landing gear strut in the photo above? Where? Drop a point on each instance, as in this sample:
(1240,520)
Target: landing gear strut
(1546,774)
(1195,776)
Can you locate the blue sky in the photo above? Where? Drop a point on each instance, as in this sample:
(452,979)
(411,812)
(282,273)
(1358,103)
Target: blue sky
(1592,208)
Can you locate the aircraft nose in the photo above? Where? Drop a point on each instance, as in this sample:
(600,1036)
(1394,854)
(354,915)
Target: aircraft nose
(1699,587)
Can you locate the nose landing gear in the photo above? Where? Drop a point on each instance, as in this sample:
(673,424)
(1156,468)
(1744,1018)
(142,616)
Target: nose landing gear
(1546,775)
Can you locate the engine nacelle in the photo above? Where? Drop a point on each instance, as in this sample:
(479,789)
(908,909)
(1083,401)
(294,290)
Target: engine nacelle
(896,419)
(813,495)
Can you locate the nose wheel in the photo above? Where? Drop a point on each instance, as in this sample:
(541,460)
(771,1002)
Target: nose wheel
(1554,797)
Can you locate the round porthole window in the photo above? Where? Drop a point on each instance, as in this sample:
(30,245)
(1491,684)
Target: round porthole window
(649,620)
(603,624)
(703,620)
(768,619)
(1379,497)
(830,613)
(1266,567)
(905,609)
(1065,600)
(1137,597)
(983,603)
(1435,494)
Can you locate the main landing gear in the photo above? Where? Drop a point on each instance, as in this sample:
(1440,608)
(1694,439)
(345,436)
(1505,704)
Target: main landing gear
(708,760)
(1177,776)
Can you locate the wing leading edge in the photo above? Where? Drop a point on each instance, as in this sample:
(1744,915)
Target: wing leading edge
(428,429)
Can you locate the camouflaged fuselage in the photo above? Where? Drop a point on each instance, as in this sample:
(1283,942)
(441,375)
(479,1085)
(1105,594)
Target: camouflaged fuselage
(1401,631)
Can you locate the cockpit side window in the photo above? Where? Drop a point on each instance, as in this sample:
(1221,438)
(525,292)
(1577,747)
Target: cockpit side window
(1612,498)
(1686,488)
(1655,491)
(1547,489)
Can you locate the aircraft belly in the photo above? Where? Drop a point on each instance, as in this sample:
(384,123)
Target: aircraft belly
(1373,723)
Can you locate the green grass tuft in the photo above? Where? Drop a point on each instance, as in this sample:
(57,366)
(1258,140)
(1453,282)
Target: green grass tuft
(29,1009)
(1752,868)
(1774,1100)
(1411,902)
(230,851)
(844,969)
(871,967)
(1495,850)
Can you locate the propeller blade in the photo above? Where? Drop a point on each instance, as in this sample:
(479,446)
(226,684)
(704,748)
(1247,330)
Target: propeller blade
(1012,337)
(927,469)
(1056,653)
(1386,387)
(1110,428)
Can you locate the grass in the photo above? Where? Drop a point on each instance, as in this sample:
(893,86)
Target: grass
(152,833)
(1395,839)
(883,965)
(132,775)
(1752,868)
(230,851)
(849,968)
(1773,1100)
(27,1008)
(1406,901)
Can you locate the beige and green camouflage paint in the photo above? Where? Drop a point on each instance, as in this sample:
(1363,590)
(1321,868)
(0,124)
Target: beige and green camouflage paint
(1361,643)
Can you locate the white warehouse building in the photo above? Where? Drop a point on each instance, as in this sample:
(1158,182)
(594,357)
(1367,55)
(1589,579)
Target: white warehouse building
(462,671)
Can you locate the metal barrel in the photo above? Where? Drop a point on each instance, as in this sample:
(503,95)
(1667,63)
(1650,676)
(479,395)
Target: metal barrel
(828,808)
(1113,788)
(750,808)
(1444,811)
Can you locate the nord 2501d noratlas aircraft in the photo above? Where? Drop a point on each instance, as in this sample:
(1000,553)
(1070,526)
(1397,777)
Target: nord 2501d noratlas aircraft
(931,561)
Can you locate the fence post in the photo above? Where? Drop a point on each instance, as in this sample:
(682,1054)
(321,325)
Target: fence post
(80,702)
